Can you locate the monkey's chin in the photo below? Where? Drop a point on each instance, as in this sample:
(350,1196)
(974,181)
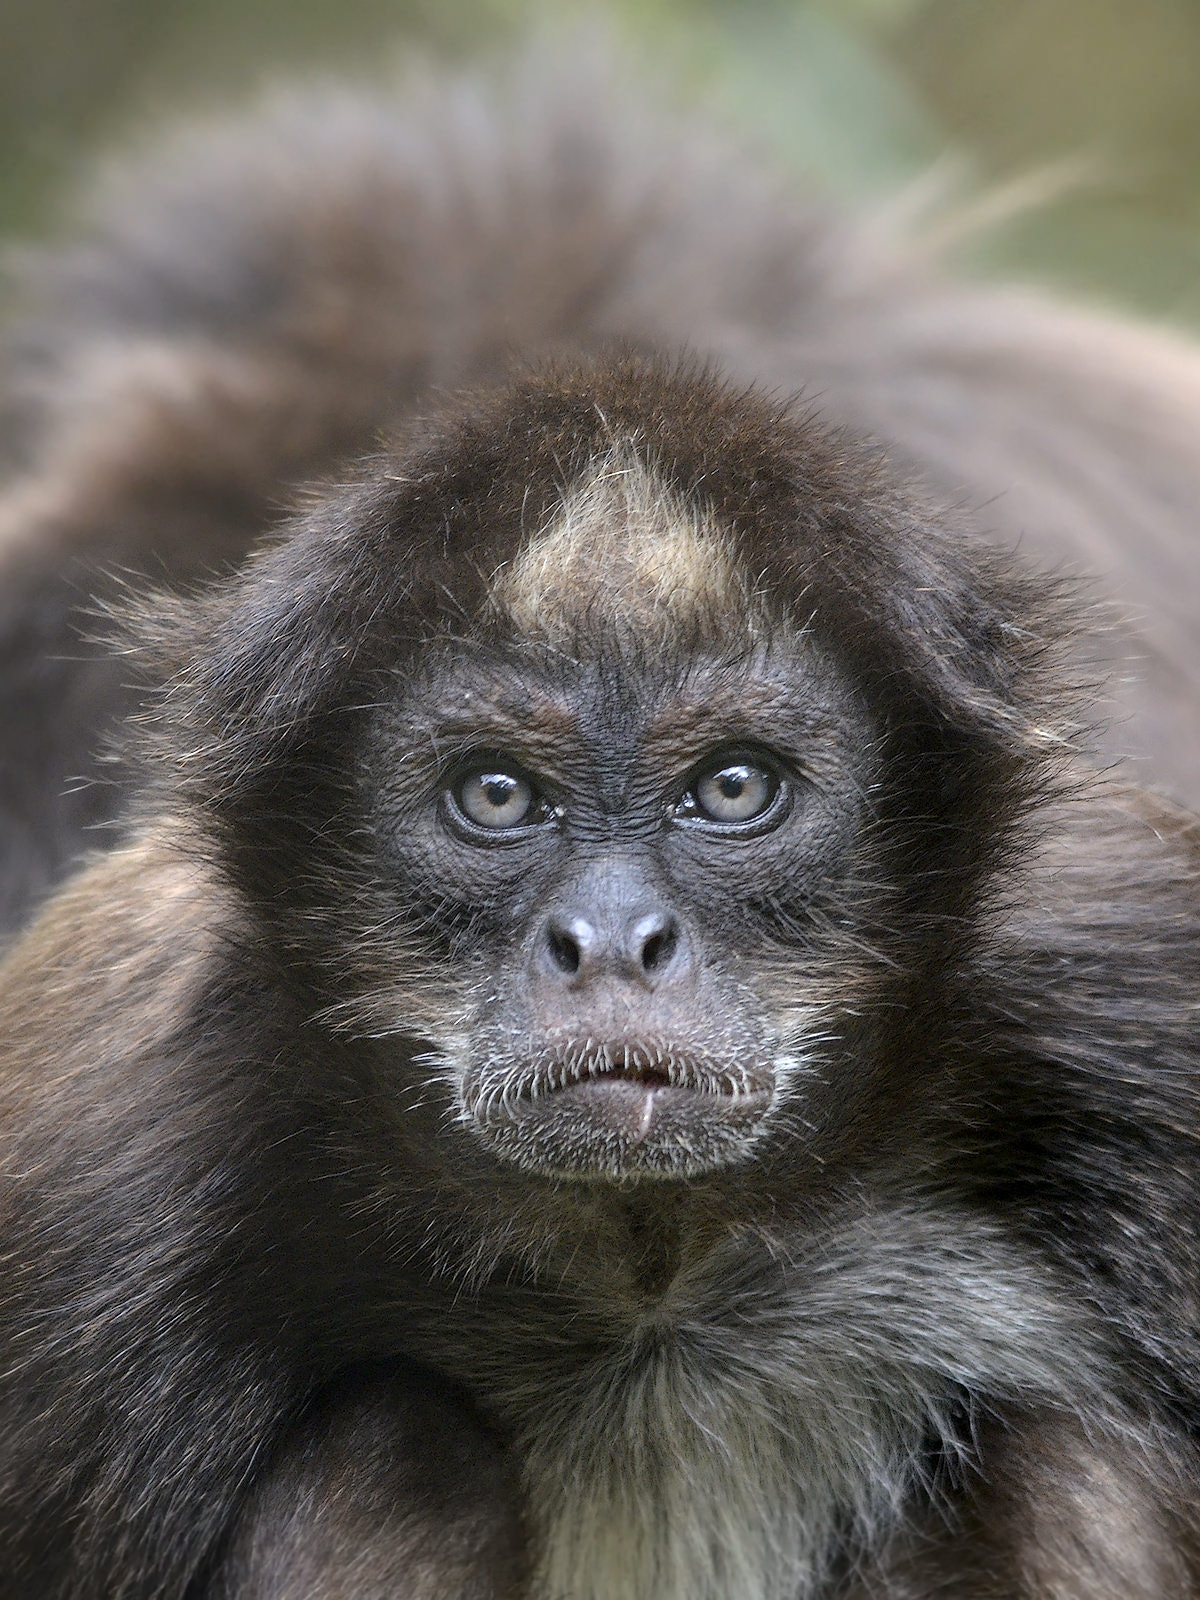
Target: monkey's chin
(621,1128)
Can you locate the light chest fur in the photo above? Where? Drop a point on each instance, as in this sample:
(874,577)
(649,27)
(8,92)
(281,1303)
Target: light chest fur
(776,1408)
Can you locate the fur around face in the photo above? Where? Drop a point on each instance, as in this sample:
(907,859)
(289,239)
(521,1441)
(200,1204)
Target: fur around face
(276,1319)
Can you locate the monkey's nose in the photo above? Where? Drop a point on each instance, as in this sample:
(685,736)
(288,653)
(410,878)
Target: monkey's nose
(645,944)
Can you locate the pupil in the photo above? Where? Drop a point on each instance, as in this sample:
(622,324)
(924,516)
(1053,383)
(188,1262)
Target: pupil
(732,783)
(499,791)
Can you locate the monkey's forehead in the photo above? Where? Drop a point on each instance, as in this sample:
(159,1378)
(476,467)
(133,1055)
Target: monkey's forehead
(626,622)
(623,553)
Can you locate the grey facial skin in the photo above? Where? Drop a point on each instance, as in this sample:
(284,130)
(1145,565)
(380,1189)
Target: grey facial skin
(624,1008)
(625,1045)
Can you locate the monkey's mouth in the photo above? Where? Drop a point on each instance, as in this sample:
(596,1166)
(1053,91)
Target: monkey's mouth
(639,1074)
(611,1110)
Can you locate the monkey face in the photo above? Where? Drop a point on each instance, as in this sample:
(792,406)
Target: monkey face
(629,838)
(623,863)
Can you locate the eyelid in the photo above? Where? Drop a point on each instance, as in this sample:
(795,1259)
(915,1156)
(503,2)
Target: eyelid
(458,758)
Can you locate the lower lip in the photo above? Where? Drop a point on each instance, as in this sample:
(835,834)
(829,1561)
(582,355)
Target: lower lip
(613,1126)
(636,1109)
(628,1104)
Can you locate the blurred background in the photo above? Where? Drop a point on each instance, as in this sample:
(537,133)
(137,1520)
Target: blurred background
(1100,98)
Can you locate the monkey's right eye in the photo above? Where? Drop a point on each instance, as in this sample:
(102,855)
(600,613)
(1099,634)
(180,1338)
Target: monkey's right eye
(498,800)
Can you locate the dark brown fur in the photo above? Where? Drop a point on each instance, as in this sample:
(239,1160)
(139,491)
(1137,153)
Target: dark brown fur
(358,1503)
(277,1319)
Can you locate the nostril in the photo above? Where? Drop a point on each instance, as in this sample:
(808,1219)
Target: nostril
(583,948)
(659,948)
(564,950)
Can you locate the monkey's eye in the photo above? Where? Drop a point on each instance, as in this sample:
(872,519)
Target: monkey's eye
(497,799)
(731,793)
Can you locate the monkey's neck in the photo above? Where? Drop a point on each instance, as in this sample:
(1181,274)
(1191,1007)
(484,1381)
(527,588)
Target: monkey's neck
(651,1240)
(627,1246)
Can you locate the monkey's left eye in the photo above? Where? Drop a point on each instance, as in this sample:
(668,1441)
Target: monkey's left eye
(498,799)
(734,792)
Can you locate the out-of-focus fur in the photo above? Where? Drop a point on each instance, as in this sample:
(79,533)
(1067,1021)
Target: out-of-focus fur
(246,309)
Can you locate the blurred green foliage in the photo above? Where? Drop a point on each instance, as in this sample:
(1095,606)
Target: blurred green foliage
(857,95)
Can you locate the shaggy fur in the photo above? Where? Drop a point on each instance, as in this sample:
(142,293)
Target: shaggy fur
(834,1239)
(909,1325)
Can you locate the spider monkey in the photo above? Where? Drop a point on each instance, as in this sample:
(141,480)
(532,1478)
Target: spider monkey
(622,1047)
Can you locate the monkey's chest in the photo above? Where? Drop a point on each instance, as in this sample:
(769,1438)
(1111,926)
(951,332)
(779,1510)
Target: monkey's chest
(702,1463)
(770,1417)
